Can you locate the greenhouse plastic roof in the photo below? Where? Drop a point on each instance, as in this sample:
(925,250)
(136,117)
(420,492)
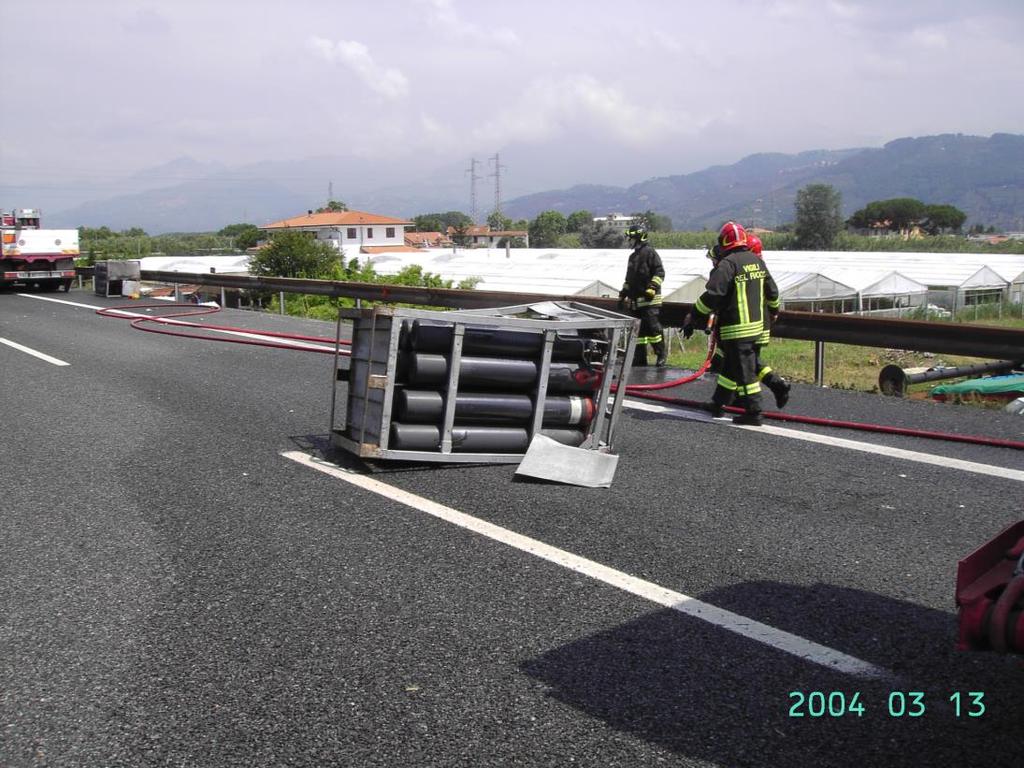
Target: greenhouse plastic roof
(804,275)
(801,275)
(225,265)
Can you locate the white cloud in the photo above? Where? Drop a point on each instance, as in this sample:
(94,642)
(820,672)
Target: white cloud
(389,82)
(553,107)
(847,11)
(443,16)
(929,37)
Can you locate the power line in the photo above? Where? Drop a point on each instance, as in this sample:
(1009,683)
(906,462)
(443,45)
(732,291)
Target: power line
(473,179)
(497,181)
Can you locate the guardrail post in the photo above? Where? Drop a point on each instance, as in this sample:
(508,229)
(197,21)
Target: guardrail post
(222,302)
(177,294)
(281,297)
(819,363)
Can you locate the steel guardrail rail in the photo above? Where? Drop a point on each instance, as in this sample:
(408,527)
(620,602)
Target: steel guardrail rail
(946,338)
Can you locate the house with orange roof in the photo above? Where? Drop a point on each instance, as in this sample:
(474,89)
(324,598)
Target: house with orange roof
(369,232)
(427,240)
(482,236)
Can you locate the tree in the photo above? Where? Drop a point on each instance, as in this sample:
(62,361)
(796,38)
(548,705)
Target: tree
(578,220)
(333,206)
(294,253)
(439,222)
(943,218)
(655,221)
(545,229)
(600,234)
(900,214)
(242,235)
(818,220)
(499,222)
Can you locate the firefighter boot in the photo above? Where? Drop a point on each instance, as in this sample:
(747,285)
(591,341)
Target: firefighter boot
(749,418)
(779,387)
(662,353)
(781,392)
(751,415)
(640,356)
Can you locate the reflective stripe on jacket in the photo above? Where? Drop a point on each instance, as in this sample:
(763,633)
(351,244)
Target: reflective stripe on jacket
(739,290)
(644,270)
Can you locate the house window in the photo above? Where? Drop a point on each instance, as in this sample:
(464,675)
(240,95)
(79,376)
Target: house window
(369,233)
(389,232)
(350,233)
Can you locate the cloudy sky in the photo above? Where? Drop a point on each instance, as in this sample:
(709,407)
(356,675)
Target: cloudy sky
(568,90)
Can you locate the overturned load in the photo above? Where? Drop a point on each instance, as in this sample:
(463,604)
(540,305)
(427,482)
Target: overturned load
(478,386)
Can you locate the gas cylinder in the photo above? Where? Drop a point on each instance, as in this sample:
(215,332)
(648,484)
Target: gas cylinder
(427,407)
(425,370)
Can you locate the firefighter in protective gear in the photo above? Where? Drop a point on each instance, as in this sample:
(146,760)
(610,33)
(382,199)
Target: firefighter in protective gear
(778,385)
(641,294)
(740,291)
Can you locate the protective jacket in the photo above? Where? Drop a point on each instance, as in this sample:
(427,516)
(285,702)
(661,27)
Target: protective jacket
(644,276)
(739,290)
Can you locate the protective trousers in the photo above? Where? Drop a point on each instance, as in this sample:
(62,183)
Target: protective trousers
(650,333)
(737,379)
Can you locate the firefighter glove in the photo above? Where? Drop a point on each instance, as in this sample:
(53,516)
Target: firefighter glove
(688,325)
(649,294)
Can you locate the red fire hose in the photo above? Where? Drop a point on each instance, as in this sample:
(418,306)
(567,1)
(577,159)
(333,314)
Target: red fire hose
(644,391)
(126,313)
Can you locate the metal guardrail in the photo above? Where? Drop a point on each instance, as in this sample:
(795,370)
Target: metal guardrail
(944,338)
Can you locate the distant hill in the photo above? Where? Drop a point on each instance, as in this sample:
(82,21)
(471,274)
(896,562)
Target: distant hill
(207,198)
(984,177)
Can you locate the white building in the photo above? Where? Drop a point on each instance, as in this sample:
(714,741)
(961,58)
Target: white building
(367,232)
(617,221)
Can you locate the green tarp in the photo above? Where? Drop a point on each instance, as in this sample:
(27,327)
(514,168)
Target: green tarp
(1009,386)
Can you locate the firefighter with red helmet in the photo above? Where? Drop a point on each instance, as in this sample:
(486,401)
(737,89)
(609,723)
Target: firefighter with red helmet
(641,294)
(778,385)
(740,291)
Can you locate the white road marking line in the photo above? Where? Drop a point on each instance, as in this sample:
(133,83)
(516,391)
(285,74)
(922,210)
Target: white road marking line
(34,353)
(855,445)
(776,638)
(171,321)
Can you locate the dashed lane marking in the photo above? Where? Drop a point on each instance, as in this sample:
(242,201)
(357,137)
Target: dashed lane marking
(33,352)
(854,445)
(776,638)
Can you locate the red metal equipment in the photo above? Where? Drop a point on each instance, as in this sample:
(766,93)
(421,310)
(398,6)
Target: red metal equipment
(990,594)
(33,256)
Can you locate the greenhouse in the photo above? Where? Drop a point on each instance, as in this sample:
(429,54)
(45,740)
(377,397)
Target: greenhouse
(880,282)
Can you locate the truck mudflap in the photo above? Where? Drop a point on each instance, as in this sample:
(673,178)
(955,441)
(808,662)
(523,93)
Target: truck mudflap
(990,594)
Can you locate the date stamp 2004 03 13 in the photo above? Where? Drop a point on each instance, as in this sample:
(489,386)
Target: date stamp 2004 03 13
(899,704)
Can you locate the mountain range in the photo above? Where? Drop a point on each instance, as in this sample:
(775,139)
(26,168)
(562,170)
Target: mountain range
(983,176)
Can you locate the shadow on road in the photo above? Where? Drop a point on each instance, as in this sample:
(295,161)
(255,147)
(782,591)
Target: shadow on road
(707,693)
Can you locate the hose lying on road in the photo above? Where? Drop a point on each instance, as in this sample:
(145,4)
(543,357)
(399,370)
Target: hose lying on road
(644,391)
(127,312)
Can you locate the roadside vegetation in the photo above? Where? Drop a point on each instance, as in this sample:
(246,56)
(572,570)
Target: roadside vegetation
(848,366)
(906,225)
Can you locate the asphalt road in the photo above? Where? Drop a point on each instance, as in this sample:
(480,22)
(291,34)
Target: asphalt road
(178,592)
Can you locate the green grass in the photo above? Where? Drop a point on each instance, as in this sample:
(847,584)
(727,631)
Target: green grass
(846,366)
